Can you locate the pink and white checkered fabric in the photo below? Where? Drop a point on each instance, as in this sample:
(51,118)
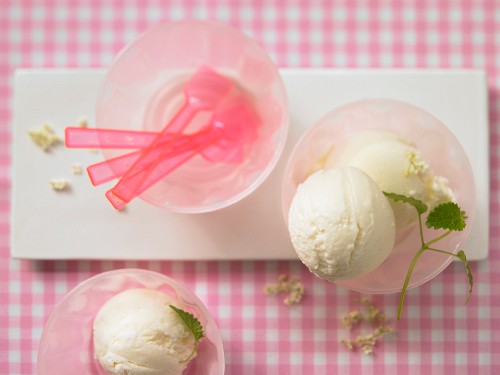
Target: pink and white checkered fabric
(262,336)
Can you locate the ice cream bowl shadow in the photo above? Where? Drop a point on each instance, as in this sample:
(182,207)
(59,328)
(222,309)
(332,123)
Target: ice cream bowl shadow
(319,147)
(67,339)
(145,88)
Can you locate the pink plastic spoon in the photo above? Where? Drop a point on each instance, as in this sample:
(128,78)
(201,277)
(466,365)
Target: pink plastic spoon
(234,126)
(110,169)
(202,92)
(75,137)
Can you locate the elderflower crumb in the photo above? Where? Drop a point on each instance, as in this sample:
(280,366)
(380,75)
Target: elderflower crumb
(374,317)
(367,342)
(76,169)
(82,122)
(293,287)
(348,344)
(59,184)
(44,137)
(350,319)
(416,166)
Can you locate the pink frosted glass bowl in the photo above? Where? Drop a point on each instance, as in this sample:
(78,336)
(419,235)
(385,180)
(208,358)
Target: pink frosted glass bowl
(143,89)
(67,340)
(438,147)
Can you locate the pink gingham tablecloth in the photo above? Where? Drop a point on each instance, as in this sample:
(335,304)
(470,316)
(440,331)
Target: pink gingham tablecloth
(437,334)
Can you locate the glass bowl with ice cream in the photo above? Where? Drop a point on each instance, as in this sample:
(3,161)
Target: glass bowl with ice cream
(132,322)
(342,226)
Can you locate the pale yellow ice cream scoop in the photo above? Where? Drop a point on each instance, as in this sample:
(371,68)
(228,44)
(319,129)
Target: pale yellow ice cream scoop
(396,165)
(341,224)
(137,333)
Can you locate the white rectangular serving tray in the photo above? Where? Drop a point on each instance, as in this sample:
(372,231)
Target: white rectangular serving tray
(81,224)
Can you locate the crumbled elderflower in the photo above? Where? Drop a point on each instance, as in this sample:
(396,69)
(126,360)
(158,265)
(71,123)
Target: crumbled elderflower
(416,166)
(59,184)
(44,137)
(293,287)
(374,317)
(76,169)
(348,344)
(350,319)
(82,122)
(367,342)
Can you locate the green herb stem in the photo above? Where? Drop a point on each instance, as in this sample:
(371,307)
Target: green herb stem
(438,238)
(441,251)
(407,280)
(420,229)
(448,216)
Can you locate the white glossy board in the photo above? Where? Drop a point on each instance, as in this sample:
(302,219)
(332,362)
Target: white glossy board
(80,223)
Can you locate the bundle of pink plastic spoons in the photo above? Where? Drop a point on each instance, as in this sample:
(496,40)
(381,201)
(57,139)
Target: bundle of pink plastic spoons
(232,126)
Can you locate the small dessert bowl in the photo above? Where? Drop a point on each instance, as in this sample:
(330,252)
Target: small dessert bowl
(438,147)
(144,90)
(66,344)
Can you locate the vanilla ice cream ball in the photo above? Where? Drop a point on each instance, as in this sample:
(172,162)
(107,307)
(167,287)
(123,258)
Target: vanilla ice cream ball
(395,164)
(341,224)
(137,333)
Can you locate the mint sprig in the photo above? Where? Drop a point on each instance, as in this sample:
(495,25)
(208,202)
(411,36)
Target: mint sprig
(448,216)
(194,326)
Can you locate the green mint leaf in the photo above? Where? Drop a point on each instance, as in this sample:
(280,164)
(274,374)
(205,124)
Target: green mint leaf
(461,255)
(446,216)
(191,322)
(194,326)
(418,204)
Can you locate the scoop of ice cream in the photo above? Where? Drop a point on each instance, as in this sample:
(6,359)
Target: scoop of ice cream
(395,164)
(341,224)
(137,333)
